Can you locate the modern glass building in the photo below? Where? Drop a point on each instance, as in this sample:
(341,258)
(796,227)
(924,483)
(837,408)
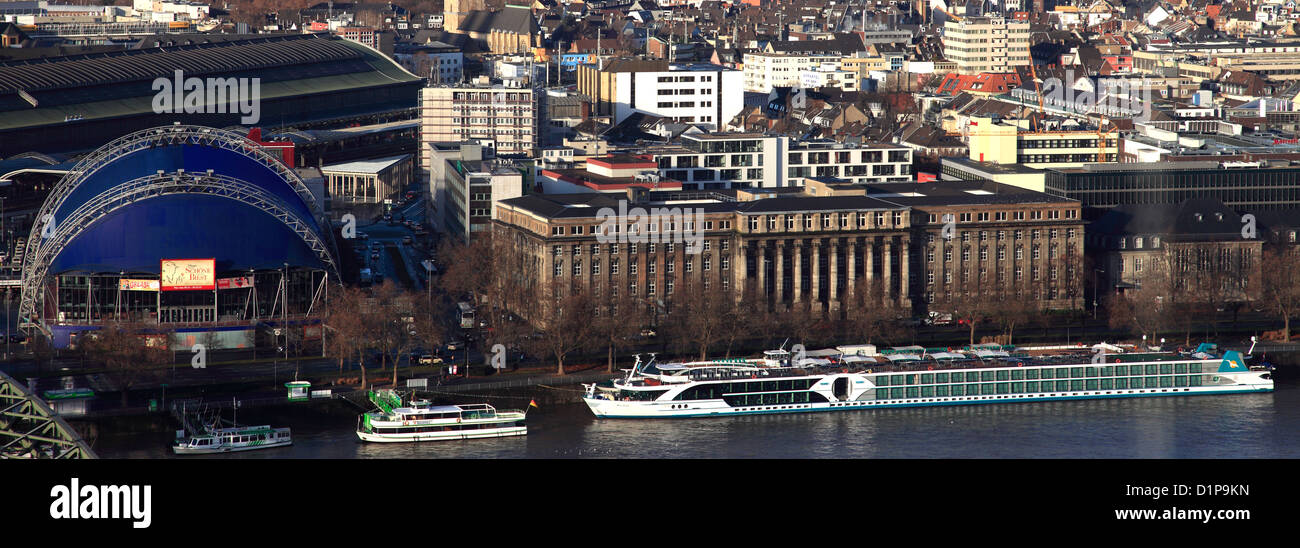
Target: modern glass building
(1241,186)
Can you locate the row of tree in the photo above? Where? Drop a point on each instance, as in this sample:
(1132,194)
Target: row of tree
(381,323)
(1176,295)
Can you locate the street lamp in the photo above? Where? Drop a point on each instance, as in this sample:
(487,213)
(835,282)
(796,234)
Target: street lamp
(1095,290)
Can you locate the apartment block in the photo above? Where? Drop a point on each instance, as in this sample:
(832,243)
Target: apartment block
(704,94)
(501,116)
(986,44)
(764,70)
(755,160)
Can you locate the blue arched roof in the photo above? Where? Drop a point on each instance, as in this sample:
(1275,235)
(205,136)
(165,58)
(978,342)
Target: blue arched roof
(184,226)
(192,158)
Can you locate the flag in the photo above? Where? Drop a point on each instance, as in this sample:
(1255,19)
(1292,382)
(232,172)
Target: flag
(532,403)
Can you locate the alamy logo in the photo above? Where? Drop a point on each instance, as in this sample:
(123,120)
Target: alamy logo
(47,228)
(659,224)
(349,228)
(949,230)
(1248,226)
(209,96)
(77,501)
(200,359)
(498,358)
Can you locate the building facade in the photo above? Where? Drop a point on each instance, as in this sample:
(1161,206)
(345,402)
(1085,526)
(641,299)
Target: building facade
(367,181)
(812,248)
(501,116)
(755,160)
(704,94)
(764,71)
(986,44)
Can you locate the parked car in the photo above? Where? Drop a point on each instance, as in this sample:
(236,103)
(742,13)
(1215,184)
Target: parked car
(429,359)
(936,318)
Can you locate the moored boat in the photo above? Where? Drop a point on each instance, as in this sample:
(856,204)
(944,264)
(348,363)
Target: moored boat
(419,420)
(231,440)
(779,383)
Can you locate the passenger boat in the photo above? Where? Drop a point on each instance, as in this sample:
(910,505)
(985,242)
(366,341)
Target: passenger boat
(779,383)
(230,440)
(418,420)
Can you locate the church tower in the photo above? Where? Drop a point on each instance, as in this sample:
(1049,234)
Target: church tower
(454,12)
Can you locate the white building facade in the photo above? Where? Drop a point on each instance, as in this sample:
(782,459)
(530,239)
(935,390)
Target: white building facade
(703,94)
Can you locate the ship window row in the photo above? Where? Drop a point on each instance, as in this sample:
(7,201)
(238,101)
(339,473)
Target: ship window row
(744,400)
(449,428)
(984,389)
(431,416)
(713,391)
(640,395)
(1036,373)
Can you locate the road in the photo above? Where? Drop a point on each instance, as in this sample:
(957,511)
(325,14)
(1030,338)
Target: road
(397,260)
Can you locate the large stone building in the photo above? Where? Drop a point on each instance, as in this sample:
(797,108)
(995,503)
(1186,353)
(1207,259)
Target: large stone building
(811,246)
(1199,246)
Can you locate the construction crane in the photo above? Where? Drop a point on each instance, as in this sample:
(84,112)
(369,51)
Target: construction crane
(1038,90)
(1102,135)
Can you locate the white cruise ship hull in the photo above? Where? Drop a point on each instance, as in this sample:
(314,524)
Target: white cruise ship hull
(862,394)
(406,437)
(235,448)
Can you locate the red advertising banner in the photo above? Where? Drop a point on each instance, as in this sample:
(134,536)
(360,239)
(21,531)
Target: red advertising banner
(188,274)
(241,282)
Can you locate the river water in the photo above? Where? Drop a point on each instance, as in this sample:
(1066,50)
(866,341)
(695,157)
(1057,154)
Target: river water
(1182,427)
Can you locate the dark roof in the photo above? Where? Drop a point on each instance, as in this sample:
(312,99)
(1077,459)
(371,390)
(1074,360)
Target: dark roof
(891,196)
(103,69)
(1194,219)
(513,19)
(842,43)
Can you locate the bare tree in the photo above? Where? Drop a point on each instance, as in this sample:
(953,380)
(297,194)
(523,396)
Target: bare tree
(617,320)
(869,315)
(130,353)
(471,270)
(699,317)
(1281,284)
(565,317)
(1015,306)
(343,324)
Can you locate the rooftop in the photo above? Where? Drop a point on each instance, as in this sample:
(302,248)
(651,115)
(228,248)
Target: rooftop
(370,167)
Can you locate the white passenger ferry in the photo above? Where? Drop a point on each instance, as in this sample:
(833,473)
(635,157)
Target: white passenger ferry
(420,421)
(229,440)
(778,383)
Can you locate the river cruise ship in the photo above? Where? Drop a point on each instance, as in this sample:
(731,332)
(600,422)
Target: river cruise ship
(231,440)
(417,420)
(782,383)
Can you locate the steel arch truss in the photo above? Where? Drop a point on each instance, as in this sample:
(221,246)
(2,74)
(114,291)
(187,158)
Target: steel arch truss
(37,265)
(30,429)
(165,136)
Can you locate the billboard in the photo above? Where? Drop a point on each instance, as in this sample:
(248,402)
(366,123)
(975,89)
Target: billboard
(137,285)
(241,282)
(188,274)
